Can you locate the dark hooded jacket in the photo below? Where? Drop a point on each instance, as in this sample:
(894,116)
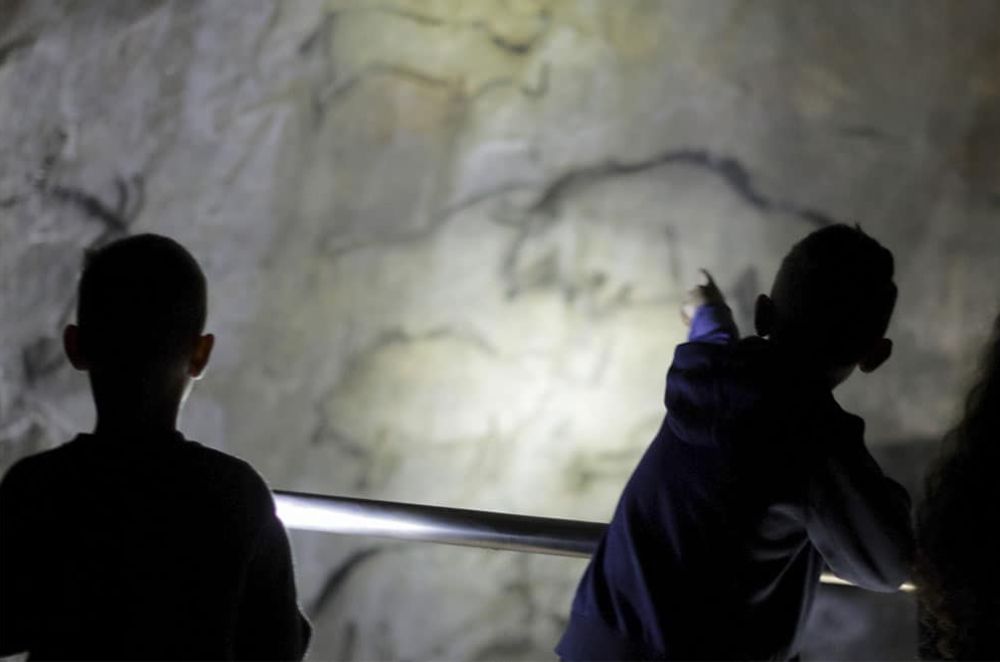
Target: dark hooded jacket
(754,480)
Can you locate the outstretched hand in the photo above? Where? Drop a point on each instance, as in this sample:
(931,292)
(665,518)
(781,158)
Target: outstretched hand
(701,295)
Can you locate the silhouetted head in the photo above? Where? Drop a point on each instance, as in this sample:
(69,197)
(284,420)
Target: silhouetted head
(831,302)
(140,316)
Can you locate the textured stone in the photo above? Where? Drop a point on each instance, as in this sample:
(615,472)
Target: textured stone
(447,240)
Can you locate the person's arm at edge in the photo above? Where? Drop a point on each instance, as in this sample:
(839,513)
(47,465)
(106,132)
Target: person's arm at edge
(858,518)
(13,592)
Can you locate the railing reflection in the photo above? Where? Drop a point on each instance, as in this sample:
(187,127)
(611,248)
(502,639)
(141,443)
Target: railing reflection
(450,526)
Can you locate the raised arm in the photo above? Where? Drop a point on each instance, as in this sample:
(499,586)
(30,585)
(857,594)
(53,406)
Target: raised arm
(706,313)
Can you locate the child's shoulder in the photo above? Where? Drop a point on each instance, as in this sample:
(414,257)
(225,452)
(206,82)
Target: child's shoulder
(225,468)
(29,466)
(35,474)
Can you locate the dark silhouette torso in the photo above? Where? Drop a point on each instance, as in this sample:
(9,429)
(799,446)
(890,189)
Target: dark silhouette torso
(152,548)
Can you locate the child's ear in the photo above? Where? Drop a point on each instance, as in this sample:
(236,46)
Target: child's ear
(71,344)
(199,357)
(764,315)
(878,355)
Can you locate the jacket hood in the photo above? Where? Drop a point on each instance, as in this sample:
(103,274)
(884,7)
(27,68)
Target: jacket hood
(710,385)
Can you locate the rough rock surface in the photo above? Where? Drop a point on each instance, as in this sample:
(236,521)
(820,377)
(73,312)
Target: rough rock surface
(446,241)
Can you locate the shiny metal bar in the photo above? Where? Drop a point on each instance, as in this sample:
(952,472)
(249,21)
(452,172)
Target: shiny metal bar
(451,526)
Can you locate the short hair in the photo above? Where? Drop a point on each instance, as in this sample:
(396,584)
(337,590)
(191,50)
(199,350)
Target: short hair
(142,302)
(835,293)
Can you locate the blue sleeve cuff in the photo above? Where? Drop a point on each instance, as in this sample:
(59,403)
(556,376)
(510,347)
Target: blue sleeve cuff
(713,323)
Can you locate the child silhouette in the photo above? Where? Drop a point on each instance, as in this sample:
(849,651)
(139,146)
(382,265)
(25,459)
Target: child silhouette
(132,542)
(756,477)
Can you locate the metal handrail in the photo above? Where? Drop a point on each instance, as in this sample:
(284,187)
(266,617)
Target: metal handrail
(450,526)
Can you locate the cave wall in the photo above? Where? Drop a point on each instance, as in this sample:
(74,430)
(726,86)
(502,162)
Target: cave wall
(446,241)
